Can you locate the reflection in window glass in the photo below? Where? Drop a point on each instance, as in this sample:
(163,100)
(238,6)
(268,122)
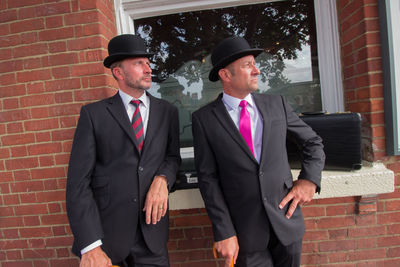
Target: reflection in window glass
(183,42)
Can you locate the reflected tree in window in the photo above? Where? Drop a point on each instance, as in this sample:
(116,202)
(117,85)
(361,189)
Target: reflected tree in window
(183,42)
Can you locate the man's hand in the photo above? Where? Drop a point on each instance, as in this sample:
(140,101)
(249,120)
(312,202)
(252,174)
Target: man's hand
(156,203)
(228,249)
(302,192)
(95,258)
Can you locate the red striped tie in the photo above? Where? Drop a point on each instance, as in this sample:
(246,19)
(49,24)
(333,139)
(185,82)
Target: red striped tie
(137,124)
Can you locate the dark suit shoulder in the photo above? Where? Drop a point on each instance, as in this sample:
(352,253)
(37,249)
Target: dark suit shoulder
(207,108)
(100,103)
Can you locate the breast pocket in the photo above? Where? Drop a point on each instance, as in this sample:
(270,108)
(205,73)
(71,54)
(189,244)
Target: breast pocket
(101,191)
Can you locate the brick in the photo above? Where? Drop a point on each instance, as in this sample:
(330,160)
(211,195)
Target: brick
(54,219)
(46,161)
(28,198)
(19,151)
(64,262)
(53,9)
(7,79)
(23,3)
(6,177)
(33,75)
(87,69)
(337,245)
(26,13)
(22,163)
(366,231)
(65,110)
(192,221)
(10,103)
(37,100)
(11,233)
(9,199)
(59,242)
(35,88)
(51,196)
(8,66)
(43,137)
(35,232)
(54,22)
(57,47)
(61,72)
(10,222)
(47,148)
(14,115)
(26,186)
(367,254)
(31,221)
(65,84)
(56,34)
(366,243)
(55,172)
(8,16)
(40,113)
(63,59)
(86,17)
(39,125)
(61,135)
(38,253)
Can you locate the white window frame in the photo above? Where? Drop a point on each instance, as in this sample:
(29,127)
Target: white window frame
(327,34)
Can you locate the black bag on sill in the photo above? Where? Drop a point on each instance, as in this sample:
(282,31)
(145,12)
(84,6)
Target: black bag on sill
(341,135)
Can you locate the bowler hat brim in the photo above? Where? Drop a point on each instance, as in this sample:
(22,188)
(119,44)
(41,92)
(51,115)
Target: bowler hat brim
(213,76)
(121,56)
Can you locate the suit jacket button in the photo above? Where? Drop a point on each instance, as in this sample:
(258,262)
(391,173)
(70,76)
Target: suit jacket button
(134,199)
(140,168)
(265,199)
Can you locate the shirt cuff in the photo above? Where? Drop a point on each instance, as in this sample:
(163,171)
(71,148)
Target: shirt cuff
(94,245)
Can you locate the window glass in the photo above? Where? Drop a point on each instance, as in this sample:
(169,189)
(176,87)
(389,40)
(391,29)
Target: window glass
(183,42)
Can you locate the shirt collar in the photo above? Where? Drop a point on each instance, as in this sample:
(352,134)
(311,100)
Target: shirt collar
(233,102)
(126,99)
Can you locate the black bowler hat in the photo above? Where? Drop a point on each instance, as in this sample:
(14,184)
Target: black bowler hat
(227,51)
(124,46)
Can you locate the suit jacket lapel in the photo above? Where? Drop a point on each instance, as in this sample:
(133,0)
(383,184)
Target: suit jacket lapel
(225,119)
(117,110)
(263,108)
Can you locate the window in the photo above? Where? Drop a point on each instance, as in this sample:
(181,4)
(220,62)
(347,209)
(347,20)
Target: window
(301,58)
(183,42)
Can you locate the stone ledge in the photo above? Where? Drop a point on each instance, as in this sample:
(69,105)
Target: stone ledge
(373,178)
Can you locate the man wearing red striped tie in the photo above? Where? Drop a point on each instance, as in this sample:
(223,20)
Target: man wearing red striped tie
(124,160)
(242,166)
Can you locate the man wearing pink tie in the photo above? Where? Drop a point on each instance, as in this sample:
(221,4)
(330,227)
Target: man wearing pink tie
(242,166)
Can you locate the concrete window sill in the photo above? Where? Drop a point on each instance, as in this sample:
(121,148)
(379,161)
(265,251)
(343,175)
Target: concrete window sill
(373,178)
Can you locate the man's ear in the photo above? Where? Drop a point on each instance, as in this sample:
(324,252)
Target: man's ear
(224,74)
(117,73)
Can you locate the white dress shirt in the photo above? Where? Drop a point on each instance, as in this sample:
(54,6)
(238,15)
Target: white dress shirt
(233,108)
(144,109)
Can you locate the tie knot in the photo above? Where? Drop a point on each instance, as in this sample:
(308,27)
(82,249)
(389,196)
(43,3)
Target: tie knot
(136,103)
(243,104)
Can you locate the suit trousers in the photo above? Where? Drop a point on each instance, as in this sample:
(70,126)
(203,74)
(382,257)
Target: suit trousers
(141,256)
(276,255)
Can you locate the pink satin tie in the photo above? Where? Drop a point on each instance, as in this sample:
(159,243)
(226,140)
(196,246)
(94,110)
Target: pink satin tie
(245,125)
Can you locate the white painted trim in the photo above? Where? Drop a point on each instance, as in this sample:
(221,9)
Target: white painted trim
(329,57)
(372,179)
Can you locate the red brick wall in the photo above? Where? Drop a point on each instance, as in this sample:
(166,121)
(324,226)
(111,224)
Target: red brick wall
(50,64)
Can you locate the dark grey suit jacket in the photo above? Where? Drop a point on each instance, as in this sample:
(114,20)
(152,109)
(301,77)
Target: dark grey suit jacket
(108,178)
(242,195)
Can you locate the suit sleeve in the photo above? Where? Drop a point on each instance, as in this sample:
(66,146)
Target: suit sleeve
(310,144)
(207,172)
(169,168)
(82,210)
